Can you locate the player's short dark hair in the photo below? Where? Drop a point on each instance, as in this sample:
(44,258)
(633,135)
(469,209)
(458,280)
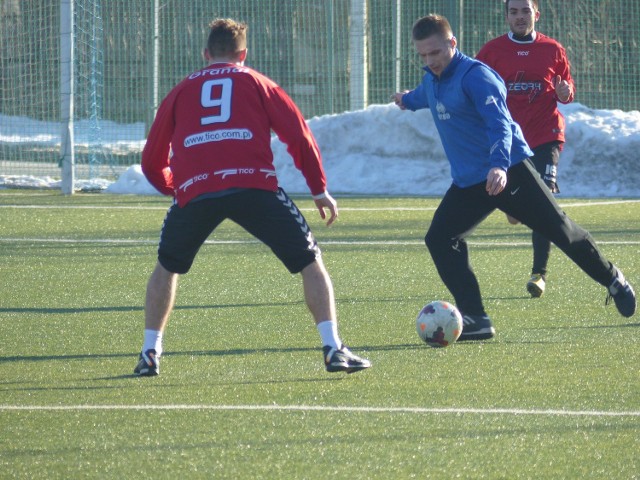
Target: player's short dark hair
(432,24)
(226,37)
(506,5)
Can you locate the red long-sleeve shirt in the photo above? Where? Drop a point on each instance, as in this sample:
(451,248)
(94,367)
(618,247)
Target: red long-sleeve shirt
(528,70)
(213,132)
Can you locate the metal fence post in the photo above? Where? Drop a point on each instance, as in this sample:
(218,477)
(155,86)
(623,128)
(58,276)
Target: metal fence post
(358,58)
(67,154)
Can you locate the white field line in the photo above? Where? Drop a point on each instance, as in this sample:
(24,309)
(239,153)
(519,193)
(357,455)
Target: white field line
(320,408)
(345,209)
(324,242)
(116,241)
(252,241)
(255,242)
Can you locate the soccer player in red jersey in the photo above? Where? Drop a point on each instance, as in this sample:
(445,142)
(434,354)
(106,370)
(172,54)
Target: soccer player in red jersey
(210,148)
(537,74)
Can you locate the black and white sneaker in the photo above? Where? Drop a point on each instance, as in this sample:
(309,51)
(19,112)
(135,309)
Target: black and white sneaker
(476,327)
(342,360)
(622,294)
(149,364)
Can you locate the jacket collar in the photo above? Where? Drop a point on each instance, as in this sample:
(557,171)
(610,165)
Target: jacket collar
(450,69)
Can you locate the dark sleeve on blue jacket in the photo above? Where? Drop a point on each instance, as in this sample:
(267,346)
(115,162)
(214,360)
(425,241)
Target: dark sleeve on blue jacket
(488,94)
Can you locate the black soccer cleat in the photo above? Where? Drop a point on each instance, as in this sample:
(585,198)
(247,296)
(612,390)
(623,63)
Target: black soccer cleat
(476,327)
(622,294)
(342,360)
(149,364)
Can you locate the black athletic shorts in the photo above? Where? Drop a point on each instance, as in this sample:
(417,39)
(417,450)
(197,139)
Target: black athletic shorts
(546,158)
(271,217)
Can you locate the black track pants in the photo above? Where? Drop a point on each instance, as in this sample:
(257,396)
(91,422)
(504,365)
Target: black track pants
(526,198)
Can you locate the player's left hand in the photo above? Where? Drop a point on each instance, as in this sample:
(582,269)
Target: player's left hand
(496,181)
(562,88)
(330,204)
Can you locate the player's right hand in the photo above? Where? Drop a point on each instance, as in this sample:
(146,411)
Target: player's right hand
(496,181)
(397,99)
(330,204)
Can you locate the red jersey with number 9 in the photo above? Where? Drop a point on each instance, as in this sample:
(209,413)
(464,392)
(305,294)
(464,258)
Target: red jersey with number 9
(213,132)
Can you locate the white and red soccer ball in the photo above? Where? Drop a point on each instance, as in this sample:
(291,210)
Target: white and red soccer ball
(439,324)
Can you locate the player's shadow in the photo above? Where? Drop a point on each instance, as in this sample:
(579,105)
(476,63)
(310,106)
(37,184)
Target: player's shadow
(139,308)
(195,353)
(136,308)
(586,327)
(178,307)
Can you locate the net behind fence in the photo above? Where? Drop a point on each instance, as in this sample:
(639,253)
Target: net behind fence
(331,56)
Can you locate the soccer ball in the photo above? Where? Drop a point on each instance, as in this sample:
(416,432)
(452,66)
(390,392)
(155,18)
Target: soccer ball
(439,324)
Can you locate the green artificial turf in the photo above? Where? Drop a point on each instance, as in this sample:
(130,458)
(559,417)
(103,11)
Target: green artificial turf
(243,392)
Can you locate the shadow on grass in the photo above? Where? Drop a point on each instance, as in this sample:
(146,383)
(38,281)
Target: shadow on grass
(139,308)
(195,353)
(585,327)
(81,386)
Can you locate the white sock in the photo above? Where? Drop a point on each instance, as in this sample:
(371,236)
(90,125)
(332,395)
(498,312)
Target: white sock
(328,330)
(152,339)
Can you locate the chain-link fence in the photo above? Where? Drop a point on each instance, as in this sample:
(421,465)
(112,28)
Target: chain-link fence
(330,55)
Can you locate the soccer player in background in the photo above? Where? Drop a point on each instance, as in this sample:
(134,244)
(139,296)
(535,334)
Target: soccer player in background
(488,157)
(538,76)
(210,148)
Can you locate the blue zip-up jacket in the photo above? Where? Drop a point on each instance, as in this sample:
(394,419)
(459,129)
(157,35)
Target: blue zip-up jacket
(468,104)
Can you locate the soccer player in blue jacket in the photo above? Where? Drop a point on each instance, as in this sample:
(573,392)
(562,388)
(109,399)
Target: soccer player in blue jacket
(490,167)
